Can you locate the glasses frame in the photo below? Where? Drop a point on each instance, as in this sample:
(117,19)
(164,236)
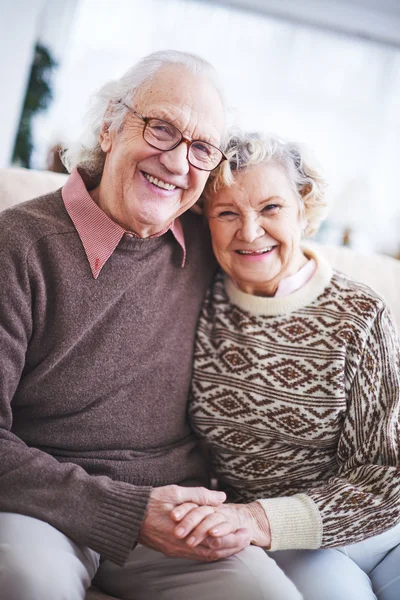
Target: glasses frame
(188,142)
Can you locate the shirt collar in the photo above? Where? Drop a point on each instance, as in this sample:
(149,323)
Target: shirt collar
(99,234)
(291,284)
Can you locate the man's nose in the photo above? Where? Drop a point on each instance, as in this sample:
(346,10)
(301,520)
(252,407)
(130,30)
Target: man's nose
(176,160)
(249,230)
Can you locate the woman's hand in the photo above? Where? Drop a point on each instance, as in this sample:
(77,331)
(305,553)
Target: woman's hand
(196,523)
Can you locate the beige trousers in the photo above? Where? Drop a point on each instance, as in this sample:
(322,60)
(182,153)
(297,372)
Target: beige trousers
(38,562)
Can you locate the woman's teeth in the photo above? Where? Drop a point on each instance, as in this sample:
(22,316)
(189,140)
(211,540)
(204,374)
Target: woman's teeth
(159,183)
(262,251)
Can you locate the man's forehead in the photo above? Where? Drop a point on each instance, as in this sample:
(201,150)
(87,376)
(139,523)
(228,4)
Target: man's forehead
(176,93)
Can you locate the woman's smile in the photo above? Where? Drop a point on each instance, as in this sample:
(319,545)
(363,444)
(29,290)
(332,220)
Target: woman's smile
(256,229)
(255,255)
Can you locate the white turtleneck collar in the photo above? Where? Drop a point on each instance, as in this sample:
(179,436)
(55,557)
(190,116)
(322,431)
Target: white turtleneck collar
(273,306)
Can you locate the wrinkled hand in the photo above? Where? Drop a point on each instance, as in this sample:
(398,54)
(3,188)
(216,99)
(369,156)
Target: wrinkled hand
(198,526)
(157,529)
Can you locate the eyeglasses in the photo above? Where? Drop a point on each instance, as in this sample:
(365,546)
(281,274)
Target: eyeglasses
(165,136)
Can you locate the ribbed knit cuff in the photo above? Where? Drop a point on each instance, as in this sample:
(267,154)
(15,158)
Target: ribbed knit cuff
(295,522)
(118,520)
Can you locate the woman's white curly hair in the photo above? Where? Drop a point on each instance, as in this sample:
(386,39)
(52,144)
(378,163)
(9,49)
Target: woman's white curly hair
(108,106)
(245,150)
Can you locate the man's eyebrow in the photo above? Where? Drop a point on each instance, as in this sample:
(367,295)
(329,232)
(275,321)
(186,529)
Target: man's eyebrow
(164,115)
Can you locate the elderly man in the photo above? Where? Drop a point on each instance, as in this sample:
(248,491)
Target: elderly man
(102,283)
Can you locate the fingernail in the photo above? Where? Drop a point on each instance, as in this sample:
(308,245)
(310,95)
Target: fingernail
(180,531)
(191,541)
(215,531)
(177,515)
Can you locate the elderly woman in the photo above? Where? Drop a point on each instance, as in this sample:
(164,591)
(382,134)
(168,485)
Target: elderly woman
(296,387)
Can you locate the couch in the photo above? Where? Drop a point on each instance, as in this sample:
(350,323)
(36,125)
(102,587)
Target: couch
(380,272)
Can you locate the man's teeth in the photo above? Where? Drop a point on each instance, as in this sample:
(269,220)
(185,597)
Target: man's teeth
(262,251)
(159,183)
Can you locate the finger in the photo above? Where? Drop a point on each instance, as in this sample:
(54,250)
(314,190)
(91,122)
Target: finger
(191,520)
(200,532)
(210,555)
(199,495)
(182,510)
(241,537)
(221,529)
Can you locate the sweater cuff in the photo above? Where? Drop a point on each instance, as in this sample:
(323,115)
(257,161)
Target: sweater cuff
(118,520)
(295,522)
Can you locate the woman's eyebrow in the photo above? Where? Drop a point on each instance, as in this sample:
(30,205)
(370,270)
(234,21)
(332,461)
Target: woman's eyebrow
(220,205)
(274,197)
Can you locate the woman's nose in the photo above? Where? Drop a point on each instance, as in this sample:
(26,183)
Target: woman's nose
(176,160)
(249,230)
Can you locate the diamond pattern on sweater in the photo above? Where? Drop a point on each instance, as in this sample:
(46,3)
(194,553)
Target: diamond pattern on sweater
(289,373)
(304,402)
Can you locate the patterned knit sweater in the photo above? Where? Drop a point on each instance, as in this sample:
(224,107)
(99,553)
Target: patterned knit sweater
(298,398)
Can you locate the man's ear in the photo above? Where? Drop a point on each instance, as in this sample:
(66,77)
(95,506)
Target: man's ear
(105,137)
(105,134)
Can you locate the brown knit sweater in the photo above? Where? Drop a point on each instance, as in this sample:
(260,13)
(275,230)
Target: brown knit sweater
(299,400)
(95,374)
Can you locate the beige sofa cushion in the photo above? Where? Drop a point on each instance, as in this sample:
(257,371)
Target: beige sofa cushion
(381,273)
(17,185)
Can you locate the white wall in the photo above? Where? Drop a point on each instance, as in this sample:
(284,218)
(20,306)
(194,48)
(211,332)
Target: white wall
(374,20)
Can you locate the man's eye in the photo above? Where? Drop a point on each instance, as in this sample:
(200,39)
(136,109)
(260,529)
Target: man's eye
(161,129)
(201,149)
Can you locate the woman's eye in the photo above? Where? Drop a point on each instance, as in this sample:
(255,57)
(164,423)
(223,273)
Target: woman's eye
(226,214)
(271,208)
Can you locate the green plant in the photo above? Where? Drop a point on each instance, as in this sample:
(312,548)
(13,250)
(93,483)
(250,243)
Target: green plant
(38,97)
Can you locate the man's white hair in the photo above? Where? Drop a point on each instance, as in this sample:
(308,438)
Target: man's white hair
(86,152)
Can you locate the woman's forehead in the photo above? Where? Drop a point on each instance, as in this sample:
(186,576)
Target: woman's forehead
(255,184)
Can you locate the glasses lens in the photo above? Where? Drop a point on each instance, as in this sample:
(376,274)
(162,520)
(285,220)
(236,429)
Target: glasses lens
(161,135)
(204,156)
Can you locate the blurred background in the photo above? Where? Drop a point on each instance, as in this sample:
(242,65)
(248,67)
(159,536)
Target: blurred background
(324,72)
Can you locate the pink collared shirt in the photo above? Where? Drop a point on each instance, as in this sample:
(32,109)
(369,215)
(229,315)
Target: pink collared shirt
(99,234)
(291,284)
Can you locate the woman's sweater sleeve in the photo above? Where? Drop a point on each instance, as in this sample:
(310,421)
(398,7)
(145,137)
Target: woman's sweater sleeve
(363,499)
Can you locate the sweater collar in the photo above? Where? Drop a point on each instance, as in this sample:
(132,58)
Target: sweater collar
(99,234)
(272,307)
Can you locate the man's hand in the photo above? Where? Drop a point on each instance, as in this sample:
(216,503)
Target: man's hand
(199,527)
(157,530)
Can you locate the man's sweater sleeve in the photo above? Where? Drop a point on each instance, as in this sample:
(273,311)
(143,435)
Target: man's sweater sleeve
(363,499)
(94,511)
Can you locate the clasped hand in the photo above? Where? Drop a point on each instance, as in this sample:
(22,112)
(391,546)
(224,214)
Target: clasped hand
(215,525)
(169,504)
